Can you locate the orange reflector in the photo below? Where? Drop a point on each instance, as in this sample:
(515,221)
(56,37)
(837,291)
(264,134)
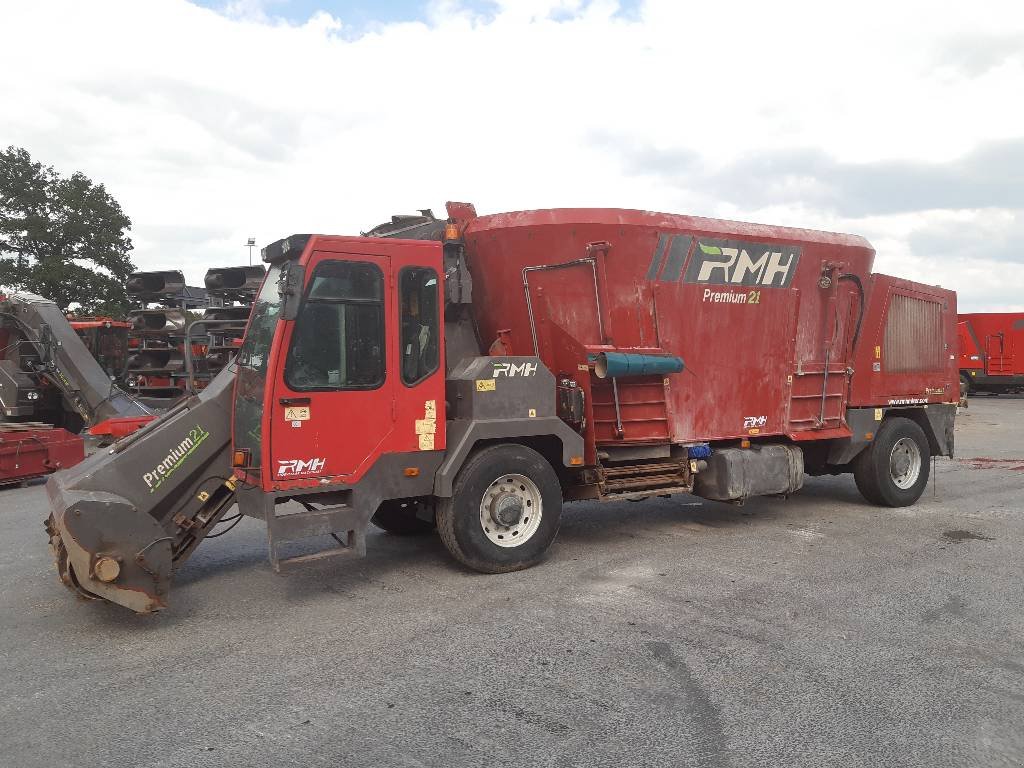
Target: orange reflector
(744,443)
(411,472)
(451,231)
(869,435)
(575,461)
(240,458)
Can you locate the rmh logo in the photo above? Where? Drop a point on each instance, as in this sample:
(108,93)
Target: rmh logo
(292,467)
(730,262)
(514,369)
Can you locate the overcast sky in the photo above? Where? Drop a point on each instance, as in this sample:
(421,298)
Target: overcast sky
(212,122)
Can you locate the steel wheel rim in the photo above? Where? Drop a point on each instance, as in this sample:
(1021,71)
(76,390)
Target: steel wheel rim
(508,491)
(905,463)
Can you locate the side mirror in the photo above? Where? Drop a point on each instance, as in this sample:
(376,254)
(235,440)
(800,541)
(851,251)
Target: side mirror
(289,287)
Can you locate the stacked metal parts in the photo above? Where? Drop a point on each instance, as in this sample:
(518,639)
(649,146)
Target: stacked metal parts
(234,288)
(167,319)
(156,362)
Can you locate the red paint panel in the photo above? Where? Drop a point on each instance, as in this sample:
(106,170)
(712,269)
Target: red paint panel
(879,381)
(342,432)
(760,314)
(754,348)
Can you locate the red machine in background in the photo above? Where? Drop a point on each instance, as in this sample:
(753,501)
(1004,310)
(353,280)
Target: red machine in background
(32,449)
(52,385)
(991,352)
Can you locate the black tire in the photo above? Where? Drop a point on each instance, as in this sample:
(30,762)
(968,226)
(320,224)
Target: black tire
(399,519)
(965,385)
(873,468)
(459,517)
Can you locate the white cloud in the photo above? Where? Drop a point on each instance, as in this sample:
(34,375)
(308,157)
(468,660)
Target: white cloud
(213,127)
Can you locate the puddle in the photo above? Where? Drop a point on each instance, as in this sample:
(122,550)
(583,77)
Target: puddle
(964,536)
(983,463)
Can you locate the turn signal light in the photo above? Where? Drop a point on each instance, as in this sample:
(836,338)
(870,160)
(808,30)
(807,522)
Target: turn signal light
(451,231)
(240,458)
(411,472)
(576,461)
(744,443)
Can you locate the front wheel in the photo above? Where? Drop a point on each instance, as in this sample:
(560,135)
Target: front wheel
(893,471)
(504,512)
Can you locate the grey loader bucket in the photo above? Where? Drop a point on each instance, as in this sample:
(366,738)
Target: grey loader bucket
(124,519)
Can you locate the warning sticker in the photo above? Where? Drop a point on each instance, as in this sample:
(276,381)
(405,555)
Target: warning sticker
(485,385)
(427,426)
(296,413)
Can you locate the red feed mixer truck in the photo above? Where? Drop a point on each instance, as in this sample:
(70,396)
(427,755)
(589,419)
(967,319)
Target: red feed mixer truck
(475,373)
(991,355)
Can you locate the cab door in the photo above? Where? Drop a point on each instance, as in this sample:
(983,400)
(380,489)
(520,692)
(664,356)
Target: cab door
(332,408)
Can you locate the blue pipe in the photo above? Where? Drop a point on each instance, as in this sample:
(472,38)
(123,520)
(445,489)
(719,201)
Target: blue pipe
(617,364)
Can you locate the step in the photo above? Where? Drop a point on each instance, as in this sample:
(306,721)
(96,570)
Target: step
(654,467)
(651,477)
(339,522)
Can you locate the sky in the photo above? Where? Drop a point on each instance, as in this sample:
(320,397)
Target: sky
(215,121)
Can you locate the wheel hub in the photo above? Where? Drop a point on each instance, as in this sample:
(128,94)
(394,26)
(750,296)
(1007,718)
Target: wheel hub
(507,509)
(900,464)
(905,463)
(511,510)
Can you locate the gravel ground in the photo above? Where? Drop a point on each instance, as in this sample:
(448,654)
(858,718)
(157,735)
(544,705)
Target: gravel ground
(817,631)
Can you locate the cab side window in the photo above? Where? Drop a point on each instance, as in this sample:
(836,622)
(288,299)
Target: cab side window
(338,340)
(420,348)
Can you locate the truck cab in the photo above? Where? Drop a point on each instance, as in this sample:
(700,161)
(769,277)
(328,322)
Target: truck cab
(343,362)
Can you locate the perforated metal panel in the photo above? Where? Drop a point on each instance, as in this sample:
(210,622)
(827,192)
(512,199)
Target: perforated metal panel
(913,335)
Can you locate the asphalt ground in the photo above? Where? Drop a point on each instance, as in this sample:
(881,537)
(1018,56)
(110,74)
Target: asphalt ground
(814,631)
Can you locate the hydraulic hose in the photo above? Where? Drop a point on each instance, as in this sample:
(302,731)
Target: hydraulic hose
(855,279)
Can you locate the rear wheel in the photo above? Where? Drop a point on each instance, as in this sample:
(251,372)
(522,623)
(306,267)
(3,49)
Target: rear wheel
(965,385)
(399,518)
(504,512)
(893,471)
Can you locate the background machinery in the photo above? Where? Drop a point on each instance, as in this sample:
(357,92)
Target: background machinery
(474,373)
(167,322)
(51,387)
(156,364)
(991,352)
(107,341)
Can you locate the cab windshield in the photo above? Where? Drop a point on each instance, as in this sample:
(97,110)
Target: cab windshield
(253,359)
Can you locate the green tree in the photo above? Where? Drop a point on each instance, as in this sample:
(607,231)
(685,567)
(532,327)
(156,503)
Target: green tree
(64,238)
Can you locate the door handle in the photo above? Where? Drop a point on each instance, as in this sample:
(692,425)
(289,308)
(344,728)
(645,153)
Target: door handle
(294,401)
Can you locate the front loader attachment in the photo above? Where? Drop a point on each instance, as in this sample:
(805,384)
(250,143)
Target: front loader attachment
(125,518)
